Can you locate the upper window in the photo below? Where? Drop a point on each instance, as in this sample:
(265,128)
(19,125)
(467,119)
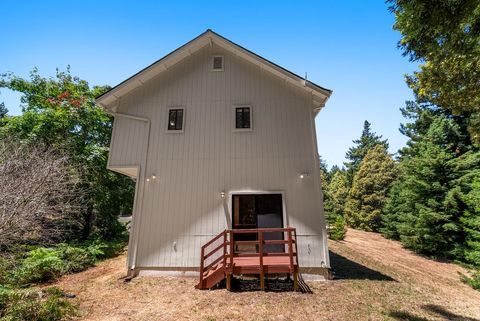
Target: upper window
(175,119)
(243,117)
(217,63)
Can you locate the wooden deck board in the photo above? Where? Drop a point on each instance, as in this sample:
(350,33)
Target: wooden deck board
(271,264)
(267,260)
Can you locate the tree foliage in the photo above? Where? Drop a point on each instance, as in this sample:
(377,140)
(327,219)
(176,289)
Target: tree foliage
(445,36)
(60,113)
(432,206)
(3,110)
(355,154)
(369,189)
(337,192)
(39,195)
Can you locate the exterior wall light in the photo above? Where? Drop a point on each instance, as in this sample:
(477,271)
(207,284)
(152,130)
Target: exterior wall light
(304,175)
(222,194)
(153,177)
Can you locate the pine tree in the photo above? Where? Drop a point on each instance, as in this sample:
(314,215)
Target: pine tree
(323,164)
(334,202)
(3,110)
(355,154)
(324,177)
(427,202)
(370,186)
(337,195)
(464,199)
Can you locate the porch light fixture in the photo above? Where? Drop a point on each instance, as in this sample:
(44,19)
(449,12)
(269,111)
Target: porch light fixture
(153,177)
(304,175)
(222,194)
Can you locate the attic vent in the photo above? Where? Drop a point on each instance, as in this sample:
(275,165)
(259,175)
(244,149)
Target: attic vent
(218,63)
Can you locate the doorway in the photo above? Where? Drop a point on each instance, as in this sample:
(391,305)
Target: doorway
(252,211)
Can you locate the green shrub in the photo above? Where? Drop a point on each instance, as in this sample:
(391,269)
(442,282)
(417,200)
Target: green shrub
(45,264)
(75,259)
(473,280)
(105,249)
(40,265)
(7,265)
(46,305)
(338,229)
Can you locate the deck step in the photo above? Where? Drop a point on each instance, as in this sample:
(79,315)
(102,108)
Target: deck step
(213,277)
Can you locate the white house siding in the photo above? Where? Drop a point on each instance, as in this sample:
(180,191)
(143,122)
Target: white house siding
(183,205)
(128,145)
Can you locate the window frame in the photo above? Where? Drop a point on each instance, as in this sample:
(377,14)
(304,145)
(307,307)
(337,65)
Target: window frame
(175,131)
(234,116)
(213,62)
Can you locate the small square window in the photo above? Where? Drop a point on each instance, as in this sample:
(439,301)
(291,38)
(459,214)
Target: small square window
(243,118)
(175,119)
(217,63)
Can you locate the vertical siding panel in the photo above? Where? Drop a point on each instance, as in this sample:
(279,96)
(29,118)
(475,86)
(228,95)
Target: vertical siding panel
(184,205)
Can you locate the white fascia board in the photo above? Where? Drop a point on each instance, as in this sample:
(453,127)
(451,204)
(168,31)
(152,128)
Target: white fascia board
(151,72)
(319,95)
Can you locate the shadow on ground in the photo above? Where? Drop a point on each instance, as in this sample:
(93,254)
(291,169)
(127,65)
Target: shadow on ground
(438,311)
(344,268)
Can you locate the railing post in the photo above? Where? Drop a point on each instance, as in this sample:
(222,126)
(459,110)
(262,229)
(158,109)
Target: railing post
(295,271)
(296,243)
(224,250)
(260,252)
(202,253)
(231,248)
(290,248)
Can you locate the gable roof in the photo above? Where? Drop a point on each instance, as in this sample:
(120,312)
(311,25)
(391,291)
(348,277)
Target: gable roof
(108,99)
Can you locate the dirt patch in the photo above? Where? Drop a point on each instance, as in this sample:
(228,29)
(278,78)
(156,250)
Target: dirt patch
(377,280)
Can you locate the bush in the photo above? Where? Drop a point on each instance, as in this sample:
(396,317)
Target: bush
(7,264)
(75,259)
(338,229)
(46,305)
(473,280)
(45,264)
(40,265)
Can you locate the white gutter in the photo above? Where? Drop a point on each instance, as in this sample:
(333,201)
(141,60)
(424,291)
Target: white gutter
(136,216)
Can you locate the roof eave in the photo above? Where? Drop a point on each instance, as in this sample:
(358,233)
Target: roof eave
(107,99)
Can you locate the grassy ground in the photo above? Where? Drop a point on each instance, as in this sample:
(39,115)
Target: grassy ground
(377,280)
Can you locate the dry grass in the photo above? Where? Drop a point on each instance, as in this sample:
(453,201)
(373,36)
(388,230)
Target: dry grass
(379,280)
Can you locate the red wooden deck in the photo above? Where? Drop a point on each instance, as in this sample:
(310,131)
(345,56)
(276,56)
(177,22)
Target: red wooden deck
(229,257)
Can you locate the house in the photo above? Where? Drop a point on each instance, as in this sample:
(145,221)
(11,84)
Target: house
(217,137)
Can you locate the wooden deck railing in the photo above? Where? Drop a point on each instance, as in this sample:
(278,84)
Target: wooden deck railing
(225,253)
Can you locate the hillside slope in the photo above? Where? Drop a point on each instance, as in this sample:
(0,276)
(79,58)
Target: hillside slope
(377,280)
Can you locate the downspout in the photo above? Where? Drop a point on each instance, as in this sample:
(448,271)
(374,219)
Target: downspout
(137,220)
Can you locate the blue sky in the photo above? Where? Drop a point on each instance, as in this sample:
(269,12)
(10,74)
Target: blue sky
(347,46)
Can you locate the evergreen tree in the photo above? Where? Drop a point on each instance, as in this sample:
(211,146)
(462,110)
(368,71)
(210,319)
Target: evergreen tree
(355,154)
(334,203)
(370,186)
(3,110)
(324,177)
(427,204)
(334,169)
(323,164)
(337,195)
(466,195)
